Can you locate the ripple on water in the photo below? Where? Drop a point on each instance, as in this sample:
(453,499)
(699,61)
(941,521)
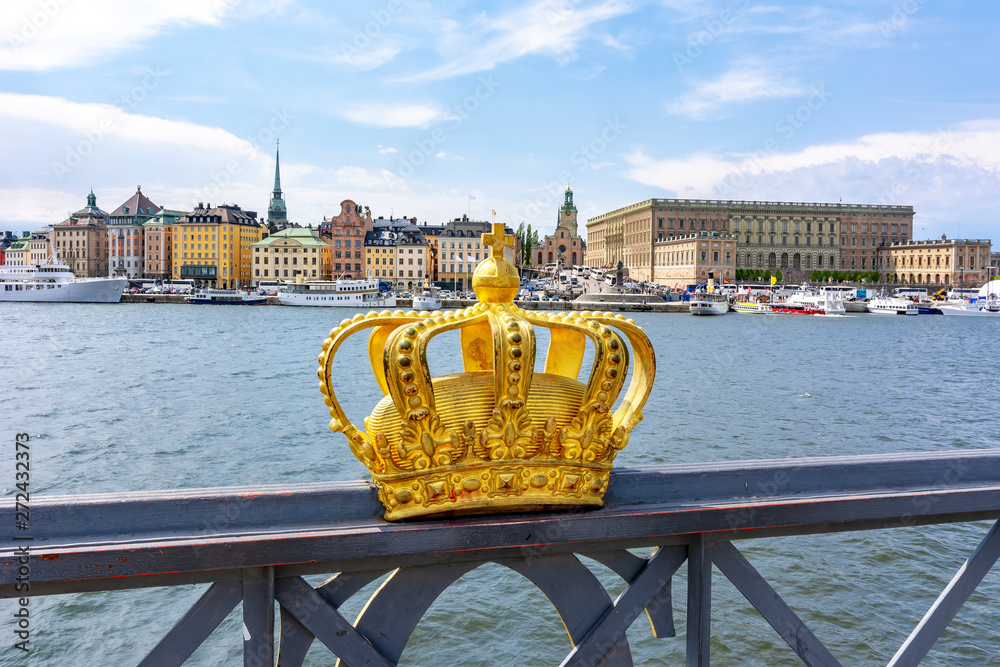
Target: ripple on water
(173,406)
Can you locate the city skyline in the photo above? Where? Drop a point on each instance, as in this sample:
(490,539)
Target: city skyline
(432,110)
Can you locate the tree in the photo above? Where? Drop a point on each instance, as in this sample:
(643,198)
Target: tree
(876,276)
(815,276)
(778,275)
(767,275)
(837,277)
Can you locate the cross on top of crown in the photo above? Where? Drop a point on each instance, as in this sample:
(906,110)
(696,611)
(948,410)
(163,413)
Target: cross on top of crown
(497,239)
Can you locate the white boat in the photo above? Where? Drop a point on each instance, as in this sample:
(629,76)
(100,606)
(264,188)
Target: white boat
(978,308)
(362,293)
(226,297)
(885,305)
(760,308)
(817,303)
(56,283)
(426,298)
(708,304)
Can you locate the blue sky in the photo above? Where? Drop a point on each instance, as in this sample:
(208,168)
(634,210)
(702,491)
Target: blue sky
(410,108)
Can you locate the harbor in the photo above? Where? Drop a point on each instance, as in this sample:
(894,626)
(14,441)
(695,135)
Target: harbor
(254,401)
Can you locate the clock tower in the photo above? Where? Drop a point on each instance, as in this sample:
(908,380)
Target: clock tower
(567,214)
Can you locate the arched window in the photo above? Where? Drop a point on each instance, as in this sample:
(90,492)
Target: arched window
(796,261)
(772,260)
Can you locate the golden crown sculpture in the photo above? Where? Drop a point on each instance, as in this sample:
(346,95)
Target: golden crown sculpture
(499,436)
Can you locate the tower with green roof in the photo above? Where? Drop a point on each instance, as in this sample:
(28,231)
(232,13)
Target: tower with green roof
(277,215)
(567,213)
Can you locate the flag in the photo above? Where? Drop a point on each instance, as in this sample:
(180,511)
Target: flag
(471,197)
(774,279)
(494,212)
(725,279)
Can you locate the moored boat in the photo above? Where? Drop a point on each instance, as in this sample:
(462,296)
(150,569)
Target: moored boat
(978,308)
(56,283)
(885,305)
(753,308)
(708,304)
(226,297)
(426,298)
(362,293)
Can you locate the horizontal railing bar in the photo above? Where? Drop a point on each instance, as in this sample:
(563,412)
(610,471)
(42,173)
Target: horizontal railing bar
(235,510)
(158,536)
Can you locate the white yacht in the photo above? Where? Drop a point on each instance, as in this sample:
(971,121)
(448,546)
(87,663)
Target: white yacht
(55,282)
(977,308)
(708,304)
(885,305)
(362,293)
(226,297)
(426,298)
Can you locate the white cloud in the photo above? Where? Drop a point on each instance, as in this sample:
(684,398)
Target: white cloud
(377,114)
(39,36)
(388,149)
(441,154)
(369,57)
(549,27)
(937,172)
(742,85)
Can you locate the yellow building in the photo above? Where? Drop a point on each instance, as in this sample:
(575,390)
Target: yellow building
(19,252)
(40,246)
(212,246)
(396,250)
(294,254)
(956,262)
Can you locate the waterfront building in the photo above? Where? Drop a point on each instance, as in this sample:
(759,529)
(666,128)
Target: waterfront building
(412,257)
(126,253)
(158,233)
(380,254)
(294,254)
(212,245)
(6,241)
(81,240)
(459,251)
(397,250)
(793,237)
(346,233)
(957,262)
(565,245)
(40,246)
(994,263)
(18,253)
(692,259)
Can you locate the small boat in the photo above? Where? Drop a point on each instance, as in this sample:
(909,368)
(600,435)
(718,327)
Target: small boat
(885,305)
(55,282)
(758,308)
(342,293)
(226,297)
(708,304)
(426,298)
(977,308)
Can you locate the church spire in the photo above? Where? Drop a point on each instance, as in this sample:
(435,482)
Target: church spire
(276,213)
(277,172)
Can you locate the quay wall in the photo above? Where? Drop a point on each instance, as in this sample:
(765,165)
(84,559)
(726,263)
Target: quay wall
(624,303)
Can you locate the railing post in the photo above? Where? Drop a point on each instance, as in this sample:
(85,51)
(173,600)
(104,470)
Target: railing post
(699,619)
(258,617)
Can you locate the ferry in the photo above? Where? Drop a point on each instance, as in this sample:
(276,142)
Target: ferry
(341,293)
(708,304)
(977,308)
(226,297)
(55,282)
(808,302)
(885,305)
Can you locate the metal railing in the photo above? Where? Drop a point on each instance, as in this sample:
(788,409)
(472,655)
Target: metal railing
(255,545)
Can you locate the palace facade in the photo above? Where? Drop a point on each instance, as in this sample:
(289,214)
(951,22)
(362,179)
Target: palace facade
(794,237)
(945,262)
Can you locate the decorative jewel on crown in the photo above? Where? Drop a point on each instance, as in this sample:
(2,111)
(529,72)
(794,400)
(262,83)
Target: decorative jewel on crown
(499,436)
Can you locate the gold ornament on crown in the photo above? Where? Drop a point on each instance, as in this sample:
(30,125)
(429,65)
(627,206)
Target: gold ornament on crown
(499,436)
